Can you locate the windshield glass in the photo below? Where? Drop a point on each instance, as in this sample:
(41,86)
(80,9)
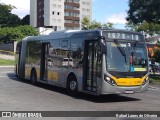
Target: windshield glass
(126,57)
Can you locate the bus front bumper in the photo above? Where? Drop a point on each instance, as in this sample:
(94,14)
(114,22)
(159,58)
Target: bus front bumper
(110,89)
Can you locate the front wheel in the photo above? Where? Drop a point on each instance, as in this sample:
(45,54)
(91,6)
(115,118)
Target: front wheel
(33,77)
(72,85)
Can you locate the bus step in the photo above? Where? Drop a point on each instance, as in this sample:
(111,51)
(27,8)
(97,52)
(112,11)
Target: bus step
(90,92)
(89,88)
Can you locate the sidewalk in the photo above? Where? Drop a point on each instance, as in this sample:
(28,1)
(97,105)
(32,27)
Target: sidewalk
(7,57)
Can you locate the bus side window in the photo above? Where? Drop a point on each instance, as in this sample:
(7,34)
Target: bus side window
(76,50)
(54,53)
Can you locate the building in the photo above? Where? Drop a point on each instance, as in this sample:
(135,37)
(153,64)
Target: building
(64,14)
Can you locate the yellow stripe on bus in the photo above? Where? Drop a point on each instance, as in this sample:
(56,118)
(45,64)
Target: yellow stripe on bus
(27,71)
(52,75)
(128,81)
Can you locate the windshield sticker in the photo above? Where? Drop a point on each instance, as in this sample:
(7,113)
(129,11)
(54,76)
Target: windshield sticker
(139,69)
(114,45)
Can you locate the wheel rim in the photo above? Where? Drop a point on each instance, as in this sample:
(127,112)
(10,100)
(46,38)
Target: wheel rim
(73,85)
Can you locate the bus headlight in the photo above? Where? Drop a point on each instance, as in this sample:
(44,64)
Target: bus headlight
(145,81)
(109,80)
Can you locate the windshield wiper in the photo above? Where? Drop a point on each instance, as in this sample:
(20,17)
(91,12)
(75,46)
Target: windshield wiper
(120,48)
(134,48)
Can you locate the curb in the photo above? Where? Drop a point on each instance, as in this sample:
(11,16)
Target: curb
(7,66)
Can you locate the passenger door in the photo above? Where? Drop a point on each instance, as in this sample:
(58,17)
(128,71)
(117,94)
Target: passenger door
(90,65)
(44,61)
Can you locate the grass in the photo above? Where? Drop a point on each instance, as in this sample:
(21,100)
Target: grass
(155,79)
(4,62)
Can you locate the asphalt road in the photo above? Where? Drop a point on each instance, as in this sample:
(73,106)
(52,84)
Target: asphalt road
(19,95)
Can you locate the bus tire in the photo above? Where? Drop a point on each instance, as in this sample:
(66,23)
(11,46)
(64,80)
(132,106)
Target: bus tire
(72,85)
(33,77)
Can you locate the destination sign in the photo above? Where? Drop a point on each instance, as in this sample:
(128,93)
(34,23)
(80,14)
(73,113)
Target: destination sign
(123,36)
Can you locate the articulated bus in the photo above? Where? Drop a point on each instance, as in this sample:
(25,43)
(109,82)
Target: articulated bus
(98,61)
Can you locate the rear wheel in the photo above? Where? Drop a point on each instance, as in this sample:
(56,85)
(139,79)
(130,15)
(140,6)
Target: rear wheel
(33,77)
(72,85)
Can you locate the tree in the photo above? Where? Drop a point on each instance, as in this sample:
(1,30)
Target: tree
(108,24)
(144,15)
(16,33)
(27,30)
(6,17)
(4,39)
(13,21)
(147,28)
(25,20)
(95,24)
(87,24)
(144,10)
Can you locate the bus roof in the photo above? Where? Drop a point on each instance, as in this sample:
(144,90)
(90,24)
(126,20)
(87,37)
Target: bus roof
(63,34)
(73,33)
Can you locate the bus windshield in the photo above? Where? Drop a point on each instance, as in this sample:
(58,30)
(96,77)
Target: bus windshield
(126,56)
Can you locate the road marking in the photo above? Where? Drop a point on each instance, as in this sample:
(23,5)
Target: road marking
(7,77)
(154,88)
(3,76)
(6,66)
(7,72)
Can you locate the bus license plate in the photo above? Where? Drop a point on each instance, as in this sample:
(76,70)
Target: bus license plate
(129,92)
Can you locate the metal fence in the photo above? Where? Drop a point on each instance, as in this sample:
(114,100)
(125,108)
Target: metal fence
(8,48)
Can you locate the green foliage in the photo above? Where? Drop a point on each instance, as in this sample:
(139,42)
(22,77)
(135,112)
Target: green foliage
(95,24)
(148,28)
(7,62)
(6,8)
(156,55)
(144,10)
(27,30)
(17,33)
(6,17)
(25,20)
(10,25)
(109,25)
(87,24)
(144,15)
(12,33)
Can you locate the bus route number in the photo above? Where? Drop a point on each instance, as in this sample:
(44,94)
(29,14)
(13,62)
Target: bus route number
(113,35)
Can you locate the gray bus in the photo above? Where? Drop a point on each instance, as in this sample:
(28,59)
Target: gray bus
(98,61)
